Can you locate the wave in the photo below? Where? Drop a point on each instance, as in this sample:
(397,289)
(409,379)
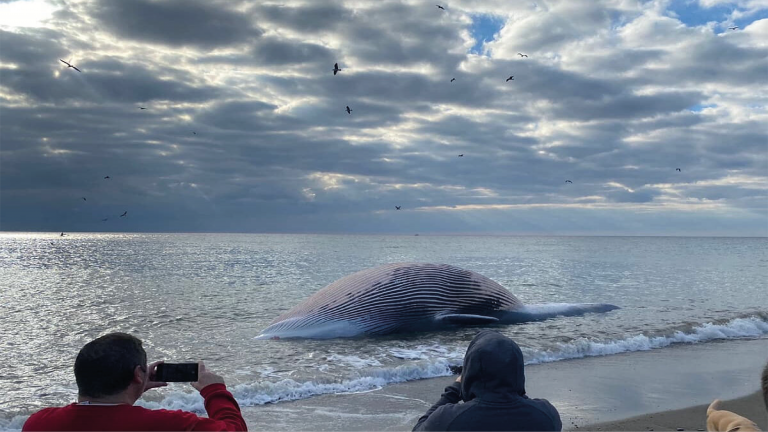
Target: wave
(739,328)
(435,361)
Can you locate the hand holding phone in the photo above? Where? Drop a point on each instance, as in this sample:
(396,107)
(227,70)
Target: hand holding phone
(206,378)
(176,372)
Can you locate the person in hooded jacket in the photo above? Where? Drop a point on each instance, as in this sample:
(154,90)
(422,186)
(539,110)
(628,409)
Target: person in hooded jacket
(492,388)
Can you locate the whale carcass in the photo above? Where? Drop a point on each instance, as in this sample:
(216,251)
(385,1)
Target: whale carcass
(409,297)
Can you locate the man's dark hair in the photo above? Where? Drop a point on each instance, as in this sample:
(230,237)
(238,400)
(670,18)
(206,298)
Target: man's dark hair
(764,382)
(105,366)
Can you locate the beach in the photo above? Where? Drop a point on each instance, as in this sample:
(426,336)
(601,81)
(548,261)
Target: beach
(658,389)
(692,324)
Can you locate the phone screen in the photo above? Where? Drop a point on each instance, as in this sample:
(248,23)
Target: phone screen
(176,372)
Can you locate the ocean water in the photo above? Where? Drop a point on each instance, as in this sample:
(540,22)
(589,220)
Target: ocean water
(205,297)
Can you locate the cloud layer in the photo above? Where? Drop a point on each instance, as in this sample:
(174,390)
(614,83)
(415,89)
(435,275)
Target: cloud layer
(245,128)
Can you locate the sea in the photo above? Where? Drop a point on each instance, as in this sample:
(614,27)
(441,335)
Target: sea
(204,297)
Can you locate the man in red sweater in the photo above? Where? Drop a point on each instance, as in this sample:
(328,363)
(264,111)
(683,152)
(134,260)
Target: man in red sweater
(111,374)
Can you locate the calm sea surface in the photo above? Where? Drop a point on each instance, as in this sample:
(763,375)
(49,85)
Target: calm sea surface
(205,297)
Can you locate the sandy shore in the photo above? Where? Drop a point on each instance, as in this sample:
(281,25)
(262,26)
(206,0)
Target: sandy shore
(690,419)
(619,392)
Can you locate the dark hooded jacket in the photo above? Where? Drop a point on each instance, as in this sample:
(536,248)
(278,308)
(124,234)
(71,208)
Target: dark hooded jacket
(492,389)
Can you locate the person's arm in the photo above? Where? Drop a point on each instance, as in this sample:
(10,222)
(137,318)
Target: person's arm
(222,408)
(451,395)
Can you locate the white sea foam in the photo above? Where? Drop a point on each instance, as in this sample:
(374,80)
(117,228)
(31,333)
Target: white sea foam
(14,424)
(738,328)
(433,361)
(353,361)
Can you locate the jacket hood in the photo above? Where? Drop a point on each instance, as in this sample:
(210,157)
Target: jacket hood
(493,368)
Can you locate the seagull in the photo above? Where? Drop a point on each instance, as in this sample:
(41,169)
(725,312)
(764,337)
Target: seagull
(84,199)
(440,7)
(568,181)
(522,55)
(453,79)
(106,177)
(678,169)
(511,78)
(336,68)
(397,207)
(69,65)
(733,28)
(461,155)
(124,213)
(349,111)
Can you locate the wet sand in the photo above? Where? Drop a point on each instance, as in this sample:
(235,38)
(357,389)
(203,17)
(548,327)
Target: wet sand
(690,419)
(661,389)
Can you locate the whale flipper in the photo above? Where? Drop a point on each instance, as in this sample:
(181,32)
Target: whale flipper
(466,319)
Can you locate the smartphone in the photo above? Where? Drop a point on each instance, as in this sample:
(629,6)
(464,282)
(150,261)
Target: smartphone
(456,370)
(176,372)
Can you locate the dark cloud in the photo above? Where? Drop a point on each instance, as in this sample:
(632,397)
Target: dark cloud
(205,24)
(308,18)
(273,51)
(607,105)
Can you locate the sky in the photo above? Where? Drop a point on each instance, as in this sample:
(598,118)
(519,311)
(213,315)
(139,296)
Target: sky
(245,127)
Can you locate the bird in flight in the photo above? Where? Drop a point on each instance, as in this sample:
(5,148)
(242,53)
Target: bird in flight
(336,68)
(142,108)
(733,28)
(678,169)
(440,7)
(453,79)
(106,177)
(397,207)
(72,66)
(511,78)
(349,110)
(568,181)
(124,213)
(84,199)
(522,55)
(194,133)
(461,155)
(105,219)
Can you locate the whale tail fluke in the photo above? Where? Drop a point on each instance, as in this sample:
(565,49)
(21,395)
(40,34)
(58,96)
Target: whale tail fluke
(538,312)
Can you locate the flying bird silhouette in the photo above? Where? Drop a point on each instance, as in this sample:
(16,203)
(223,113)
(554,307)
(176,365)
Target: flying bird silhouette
(336,68)
(349,111)
(397,207)
(194,133)
(678,169)
(568,181)
(511,78)
(84,199)
(522,55)
(440,7)
(105,219)
(461,155)
(453,79)
(72,66)
(106,177)
(124,213)
(142,108)
(733,28)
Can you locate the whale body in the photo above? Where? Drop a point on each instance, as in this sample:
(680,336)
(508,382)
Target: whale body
(411,297)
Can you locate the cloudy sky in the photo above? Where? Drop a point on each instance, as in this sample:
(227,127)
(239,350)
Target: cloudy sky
(245,128)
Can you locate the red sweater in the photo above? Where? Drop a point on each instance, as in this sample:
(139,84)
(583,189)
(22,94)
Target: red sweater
(223,415)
